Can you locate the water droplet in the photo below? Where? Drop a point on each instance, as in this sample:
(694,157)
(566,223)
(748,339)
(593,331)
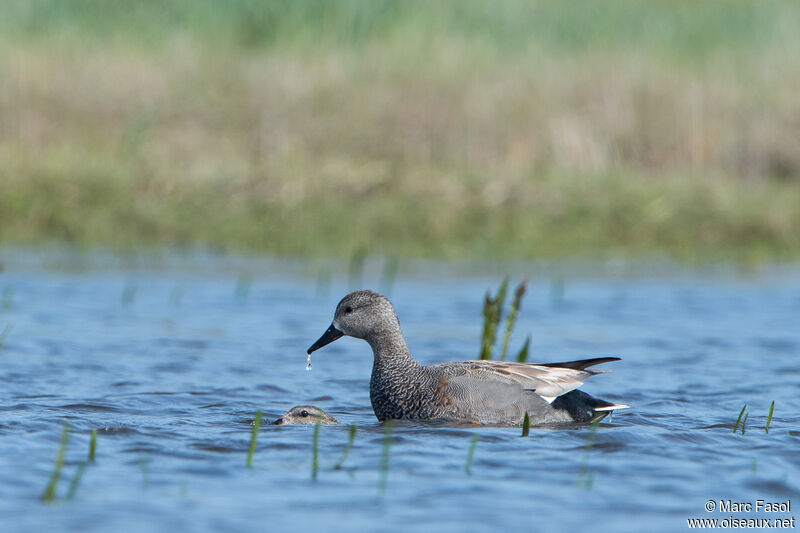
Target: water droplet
(308,360)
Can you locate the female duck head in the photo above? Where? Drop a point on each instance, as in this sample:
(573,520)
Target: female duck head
(305,414)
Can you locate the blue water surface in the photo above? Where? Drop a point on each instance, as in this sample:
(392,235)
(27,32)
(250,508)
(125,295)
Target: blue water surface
(170,360)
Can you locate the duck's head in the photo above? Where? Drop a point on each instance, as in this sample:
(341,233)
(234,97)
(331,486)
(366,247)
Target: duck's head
(305,414)
(360,314)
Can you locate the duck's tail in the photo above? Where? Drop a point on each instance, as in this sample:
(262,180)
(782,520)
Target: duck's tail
(606,410)
(611,407)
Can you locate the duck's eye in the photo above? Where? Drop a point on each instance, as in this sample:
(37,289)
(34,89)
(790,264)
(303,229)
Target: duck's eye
(348,310)
(304,413)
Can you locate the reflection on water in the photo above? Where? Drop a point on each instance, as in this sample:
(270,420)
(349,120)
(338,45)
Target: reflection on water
(169,365)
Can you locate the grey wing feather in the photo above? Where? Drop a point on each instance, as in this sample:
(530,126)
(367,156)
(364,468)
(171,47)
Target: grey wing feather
(486,401)
(547,382)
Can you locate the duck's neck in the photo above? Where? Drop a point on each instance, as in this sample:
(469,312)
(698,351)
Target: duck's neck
(397,379)
(391,353)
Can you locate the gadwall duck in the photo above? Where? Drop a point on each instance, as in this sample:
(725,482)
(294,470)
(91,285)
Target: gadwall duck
(482,392)
(305,414)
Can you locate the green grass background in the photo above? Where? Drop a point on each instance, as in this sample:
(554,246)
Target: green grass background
(448,129)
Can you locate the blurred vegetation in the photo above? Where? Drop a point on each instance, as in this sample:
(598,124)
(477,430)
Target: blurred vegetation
(429,129)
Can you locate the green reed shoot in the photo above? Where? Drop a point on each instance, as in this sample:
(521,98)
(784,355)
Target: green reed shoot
(492,312)
(254,439)
(93,446)
(738,420)
(512,316)
(769,417)
(488,320)
(315,452)
(744,422)
(522,357)
(347,448)
(50,493)
(387,444)
(4,335)
(471,454)
(526,425)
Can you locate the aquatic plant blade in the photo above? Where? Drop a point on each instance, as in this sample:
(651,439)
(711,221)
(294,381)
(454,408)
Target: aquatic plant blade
(254,439)
(76,480)
(346,452)
(486,344)
(50,492)
(769,417)
(387,444)
(471,454)
(512,316)
(315,452)
(522,357)
(738,420)
(93,445)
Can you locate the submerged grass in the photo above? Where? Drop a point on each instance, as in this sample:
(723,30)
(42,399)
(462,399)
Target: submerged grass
(253,439)
(471,454)
(144,465)
(351,439)
(586,476)
(49,494)
(76,479)
(383,478)
(315,453)
(526,130)
(526,425)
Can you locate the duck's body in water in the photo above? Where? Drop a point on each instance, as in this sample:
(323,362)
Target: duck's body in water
(305,414)
(483,392)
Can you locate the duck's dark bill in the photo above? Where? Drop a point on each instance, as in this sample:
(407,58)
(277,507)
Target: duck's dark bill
(330,335)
